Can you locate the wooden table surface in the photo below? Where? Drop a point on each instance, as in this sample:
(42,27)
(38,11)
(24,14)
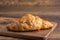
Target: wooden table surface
(55,35)
(54,16)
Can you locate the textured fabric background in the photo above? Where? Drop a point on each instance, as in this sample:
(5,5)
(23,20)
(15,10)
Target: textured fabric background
(18,7)
(29,2)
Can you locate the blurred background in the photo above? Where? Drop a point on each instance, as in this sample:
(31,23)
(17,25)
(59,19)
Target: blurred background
(49,9)
(42,7)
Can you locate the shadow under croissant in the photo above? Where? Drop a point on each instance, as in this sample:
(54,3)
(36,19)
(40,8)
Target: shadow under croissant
(27,30)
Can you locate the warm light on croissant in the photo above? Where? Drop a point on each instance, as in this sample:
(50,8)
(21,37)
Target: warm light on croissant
(29,22)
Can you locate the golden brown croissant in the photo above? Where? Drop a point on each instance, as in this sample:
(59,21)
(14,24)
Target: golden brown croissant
(29,22)
(46,24)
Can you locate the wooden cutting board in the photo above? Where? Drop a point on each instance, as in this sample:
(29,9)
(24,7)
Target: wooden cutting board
(35,35)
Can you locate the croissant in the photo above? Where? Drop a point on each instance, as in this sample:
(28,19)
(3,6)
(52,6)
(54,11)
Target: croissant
(29,22)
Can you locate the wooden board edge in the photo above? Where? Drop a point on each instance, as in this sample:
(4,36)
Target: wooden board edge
(27,37)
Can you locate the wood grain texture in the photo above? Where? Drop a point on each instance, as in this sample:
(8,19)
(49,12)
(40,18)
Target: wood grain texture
(35,35)
(55,35)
